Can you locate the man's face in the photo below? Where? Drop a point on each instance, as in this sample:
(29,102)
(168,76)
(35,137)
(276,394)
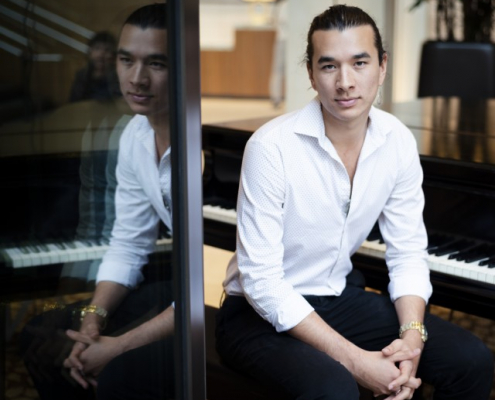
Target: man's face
(142,68)
(345,72)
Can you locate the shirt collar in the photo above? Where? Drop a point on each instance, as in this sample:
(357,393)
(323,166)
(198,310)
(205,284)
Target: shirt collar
(310,123)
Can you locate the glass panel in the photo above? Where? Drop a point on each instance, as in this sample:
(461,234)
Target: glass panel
(86,176)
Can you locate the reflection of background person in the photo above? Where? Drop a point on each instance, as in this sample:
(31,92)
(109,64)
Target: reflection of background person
(98,79)
(278,62)
(129,322)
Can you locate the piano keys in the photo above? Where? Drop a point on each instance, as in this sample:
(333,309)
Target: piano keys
(458,159)
(32,254)
(477,264)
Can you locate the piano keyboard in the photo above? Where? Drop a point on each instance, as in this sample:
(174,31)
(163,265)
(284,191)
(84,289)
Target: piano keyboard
(445,263)
(37,254)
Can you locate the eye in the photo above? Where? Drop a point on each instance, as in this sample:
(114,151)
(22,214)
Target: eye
(360,63)
(124,60)
(158,64)
(328,67)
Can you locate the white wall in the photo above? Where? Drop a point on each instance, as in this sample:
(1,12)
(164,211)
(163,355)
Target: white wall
(218,22)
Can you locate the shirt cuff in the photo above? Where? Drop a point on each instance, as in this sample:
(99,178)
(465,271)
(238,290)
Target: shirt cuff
(417,284)
(129,278)
(292,311)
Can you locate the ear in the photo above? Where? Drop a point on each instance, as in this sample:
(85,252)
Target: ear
(383,68)
(310,74)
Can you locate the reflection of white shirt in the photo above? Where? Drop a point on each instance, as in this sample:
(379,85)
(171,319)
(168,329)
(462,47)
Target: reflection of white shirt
(297,226)
(139,204)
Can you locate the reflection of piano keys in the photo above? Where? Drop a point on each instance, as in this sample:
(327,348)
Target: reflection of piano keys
(37,254)
(477,264)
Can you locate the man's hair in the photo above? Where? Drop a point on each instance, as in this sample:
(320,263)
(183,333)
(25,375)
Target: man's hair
(150,16)
(342,17)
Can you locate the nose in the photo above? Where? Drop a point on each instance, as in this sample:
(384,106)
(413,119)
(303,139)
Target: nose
(345,80)
(139,75)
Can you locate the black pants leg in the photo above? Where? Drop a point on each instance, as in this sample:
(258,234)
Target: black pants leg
(456,362)
(44,344)
(146,373)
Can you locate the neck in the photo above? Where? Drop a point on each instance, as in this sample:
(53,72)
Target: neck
(342,133)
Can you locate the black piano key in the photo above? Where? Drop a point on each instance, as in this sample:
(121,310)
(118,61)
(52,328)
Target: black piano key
(486,262)
(436,240)
(475,251)
(454,247)
(375,234)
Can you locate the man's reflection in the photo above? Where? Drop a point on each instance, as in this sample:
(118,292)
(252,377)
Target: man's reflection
(97,80)
(123,346)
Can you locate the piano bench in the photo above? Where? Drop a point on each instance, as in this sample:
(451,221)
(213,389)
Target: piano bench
(223,383)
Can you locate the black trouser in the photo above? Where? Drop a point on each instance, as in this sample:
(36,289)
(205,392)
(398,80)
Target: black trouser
(145,373)
(454,361)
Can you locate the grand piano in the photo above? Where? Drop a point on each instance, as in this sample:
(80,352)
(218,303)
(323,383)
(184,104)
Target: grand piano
(456,142)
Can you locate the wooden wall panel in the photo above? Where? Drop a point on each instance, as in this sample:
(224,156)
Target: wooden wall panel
(242,72)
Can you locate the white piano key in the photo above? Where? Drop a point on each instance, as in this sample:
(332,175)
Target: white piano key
(220,214)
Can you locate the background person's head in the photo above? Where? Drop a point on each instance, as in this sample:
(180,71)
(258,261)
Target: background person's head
(101,53)
(341,17)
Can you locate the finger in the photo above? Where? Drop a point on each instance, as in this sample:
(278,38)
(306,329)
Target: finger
(392,348)
(404,377)
(78,377)
(413,383)
(79,337)
(92,380)
(404,355)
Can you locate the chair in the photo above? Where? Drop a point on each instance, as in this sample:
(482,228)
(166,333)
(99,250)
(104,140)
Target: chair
(457,69)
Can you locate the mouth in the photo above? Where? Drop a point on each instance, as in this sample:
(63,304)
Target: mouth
(347,102)
(139,97)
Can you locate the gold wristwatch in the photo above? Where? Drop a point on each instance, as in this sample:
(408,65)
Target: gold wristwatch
(92,309)
(419,326)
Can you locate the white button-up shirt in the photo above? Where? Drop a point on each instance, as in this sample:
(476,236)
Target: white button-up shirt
(299,223)
(143,191)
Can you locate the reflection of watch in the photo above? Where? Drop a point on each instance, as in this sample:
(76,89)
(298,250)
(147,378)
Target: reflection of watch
(92,309)
(415,325)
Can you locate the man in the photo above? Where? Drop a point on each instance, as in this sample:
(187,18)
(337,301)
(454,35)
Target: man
(142,201)
(313,183)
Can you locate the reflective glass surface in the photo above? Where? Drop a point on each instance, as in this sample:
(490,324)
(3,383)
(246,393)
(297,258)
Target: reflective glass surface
(86,286)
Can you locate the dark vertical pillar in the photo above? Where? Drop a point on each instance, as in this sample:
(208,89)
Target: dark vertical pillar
(187,196)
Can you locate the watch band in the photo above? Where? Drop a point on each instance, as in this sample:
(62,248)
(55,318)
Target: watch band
(92,309)
(416,325)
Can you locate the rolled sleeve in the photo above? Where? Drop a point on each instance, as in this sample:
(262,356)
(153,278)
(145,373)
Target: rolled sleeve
(403,230)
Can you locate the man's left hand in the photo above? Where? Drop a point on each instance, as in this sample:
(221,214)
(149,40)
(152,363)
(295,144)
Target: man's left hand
(404,386)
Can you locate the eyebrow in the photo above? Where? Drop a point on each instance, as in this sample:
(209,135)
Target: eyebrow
(325,59)
(157,56)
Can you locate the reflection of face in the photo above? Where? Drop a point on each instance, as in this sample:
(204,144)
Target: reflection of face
(346,73)
(102,55)
(143,70)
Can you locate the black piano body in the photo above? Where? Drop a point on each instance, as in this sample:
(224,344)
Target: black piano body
(456,141)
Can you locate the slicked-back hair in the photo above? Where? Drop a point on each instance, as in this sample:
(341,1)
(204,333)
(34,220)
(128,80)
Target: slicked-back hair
(342,17)
(150,16)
